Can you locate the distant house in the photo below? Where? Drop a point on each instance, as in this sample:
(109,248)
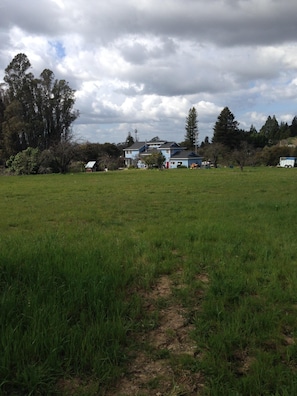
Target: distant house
(175,155)
(185,158)
(169,149)
(132,153)
(90,166)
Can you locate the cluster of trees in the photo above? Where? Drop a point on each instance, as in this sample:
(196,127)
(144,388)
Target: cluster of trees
(36,115)
(67,156)
(230,144)
(227,131)
(35,112)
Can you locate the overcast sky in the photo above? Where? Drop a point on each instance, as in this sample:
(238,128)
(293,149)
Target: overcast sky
(142,64)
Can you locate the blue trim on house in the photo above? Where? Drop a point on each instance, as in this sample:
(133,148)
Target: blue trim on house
(175,155)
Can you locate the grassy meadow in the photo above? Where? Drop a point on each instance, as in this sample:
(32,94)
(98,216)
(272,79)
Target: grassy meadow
(77,251)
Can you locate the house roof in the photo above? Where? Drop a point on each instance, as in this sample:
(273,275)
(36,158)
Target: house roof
(163,144)
(155,142)
(185,154)
(90,164)
(150,151)
(169,145)
(136,146)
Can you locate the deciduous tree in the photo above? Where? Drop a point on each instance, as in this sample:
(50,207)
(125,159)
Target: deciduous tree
(25,162)
(39,112)
(242,156)
(13,127)
(61,155)
(2,109)
(154,160)
(213,152)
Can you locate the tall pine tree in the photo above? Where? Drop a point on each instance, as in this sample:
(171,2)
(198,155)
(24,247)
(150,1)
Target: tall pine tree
(191,136)
(270,130)
(226,130)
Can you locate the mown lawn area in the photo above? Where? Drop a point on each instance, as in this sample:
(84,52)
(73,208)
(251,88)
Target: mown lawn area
(79,252)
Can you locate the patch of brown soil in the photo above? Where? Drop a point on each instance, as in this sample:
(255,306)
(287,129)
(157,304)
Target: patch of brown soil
(288,340)
(76,386)
(162,289)
(203,278)
(243,362)
(152,372)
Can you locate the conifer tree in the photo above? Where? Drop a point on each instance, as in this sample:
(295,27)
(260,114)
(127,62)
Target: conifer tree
(226,130)
(191,136)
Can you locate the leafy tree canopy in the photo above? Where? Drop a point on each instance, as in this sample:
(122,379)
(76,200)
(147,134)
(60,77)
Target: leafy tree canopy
(25,162)
(38,112)
(155,160)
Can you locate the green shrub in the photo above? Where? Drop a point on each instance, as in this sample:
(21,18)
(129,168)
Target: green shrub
(25,163)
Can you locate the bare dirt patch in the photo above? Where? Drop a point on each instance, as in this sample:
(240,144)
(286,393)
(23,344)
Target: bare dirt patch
(158,369)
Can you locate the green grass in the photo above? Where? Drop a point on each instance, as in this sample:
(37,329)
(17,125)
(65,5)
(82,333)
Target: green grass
(75,249)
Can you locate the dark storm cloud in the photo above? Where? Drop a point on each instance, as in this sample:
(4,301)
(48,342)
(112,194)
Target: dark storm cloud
(241,22)
(33,16)
(143,63)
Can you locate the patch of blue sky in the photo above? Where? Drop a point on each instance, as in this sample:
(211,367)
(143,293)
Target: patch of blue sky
(283,110)
(252,84)
(58,48)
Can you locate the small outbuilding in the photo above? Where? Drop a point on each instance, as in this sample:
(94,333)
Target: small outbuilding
(90,166)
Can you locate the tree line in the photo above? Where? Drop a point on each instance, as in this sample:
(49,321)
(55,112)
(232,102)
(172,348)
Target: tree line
(35,112)
(36,117)
(232,145)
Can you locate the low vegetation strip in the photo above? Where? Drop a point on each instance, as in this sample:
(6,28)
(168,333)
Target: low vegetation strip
(157,365)
(82,254)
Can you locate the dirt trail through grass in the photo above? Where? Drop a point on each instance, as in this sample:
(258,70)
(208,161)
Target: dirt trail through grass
(158,368)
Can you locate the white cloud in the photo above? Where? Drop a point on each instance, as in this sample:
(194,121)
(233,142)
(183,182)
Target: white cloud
(142,64)
(59,3)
